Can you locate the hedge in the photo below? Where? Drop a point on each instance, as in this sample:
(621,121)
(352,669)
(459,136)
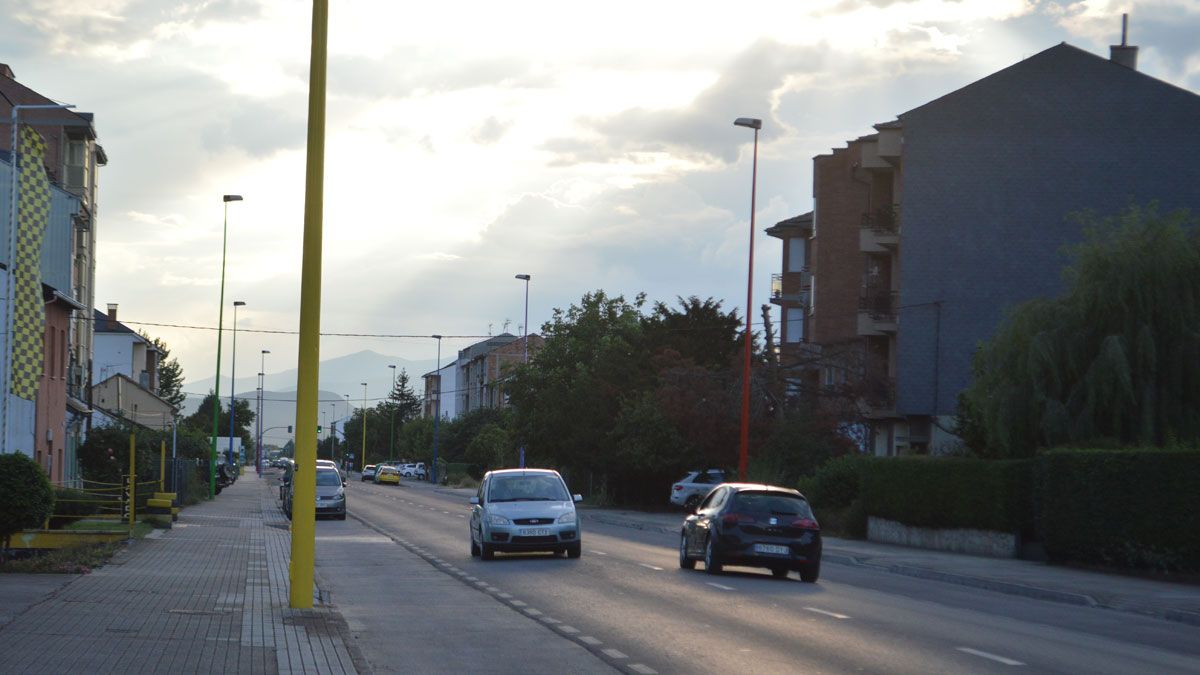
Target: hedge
(950,492)
(1129,508)
(26,498)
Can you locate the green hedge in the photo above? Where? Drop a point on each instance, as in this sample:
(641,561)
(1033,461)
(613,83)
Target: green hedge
(950,492)
(1129,508)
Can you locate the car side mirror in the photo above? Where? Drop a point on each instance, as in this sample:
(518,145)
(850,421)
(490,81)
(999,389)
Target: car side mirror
(343,482)
(474,501)
(576,498)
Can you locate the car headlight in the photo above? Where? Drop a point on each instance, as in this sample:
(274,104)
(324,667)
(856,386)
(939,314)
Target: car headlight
(568,517)
(341,493)
(498,520)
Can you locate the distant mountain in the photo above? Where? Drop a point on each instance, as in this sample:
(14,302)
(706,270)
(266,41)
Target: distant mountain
(339,376)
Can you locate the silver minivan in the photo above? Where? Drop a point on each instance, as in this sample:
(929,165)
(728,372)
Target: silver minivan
(524,510)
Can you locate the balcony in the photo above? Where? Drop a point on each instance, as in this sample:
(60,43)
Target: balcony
(879,398)
(877,311)
(791,288)
(880,230)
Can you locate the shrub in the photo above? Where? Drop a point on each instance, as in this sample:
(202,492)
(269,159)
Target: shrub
(837,483)
(1135,508)
(950,493)
(26,499)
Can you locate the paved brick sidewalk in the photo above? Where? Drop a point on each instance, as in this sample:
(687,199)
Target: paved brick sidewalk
(209,595)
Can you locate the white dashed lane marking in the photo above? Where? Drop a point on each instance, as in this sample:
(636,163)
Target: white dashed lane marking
(568,629)
(720,586)
(651,567)
(614,653)
(644,670)
(589,640)
(827,613)
(999,659)
(598,552)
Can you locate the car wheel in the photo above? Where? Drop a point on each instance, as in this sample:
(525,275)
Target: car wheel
(474,547)
(691,502)
(685,562)
(779,572)
(712,563)
(575,550)
(486,552)
(810,572)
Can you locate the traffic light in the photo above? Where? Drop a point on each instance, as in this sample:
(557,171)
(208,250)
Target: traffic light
(318,428)
(289,428)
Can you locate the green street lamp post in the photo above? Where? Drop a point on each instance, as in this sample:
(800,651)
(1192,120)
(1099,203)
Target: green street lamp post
(212,460)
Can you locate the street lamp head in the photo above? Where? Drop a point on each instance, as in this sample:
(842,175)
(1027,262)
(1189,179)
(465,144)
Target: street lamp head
(436,337)
(392,367)
(748,122)
(238,303)
(266,351)
(232,198)
(523,277)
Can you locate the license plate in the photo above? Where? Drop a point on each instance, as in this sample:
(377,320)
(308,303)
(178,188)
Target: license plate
(535,532)
(771,549)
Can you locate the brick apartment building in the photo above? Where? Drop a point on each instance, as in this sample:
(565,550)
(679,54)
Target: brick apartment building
(924,233)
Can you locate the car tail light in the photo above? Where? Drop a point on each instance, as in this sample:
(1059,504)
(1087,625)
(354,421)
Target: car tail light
(806,523)
(678,488)
(737,519)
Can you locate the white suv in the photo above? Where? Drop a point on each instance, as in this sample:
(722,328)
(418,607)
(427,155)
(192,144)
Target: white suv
(416,470)
(689,490)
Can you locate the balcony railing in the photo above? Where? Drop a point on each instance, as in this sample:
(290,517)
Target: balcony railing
(884,220)
(880,304)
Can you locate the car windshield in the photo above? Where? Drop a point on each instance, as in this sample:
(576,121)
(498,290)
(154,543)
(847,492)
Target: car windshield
(771,503)
(527,488)
(328,477)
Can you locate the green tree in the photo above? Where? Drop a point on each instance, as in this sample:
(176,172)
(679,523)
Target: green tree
(170,374)
(202,419)
(491,448)
(1116,359)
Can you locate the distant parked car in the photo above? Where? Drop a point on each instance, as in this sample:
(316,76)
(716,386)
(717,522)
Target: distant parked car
(695,486)
(754,526)
(331,494)
(387,474)
(368,472)
(524,510)
(414,470)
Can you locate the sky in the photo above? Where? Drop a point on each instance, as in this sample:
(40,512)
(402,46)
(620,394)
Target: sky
(588,145)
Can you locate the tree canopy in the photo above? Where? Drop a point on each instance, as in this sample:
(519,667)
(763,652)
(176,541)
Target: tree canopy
(1114,360)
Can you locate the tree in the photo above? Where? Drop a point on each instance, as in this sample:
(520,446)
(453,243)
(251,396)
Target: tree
(1115,360)
(170,375)
(202,420)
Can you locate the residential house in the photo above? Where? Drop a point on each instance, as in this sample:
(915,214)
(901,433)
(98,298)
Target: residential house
(71,160)
(926,232)
(476,378)
(125,372)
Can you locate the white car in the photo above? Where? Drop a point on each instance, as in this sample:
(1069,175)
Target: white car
(695,486)
(415,470)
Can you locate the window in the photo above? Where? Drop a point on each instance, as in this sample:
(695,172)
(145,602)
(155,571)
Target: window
(797,254)
(771,503)
(793,329)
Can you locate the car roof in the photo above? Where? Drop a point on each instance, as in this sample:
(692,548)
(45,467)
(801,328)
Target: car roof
(523,472)
(762,487)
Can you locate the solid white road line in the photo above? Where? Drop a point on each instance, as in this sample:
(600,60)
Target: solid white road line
(589,640)
(827,613)
(720,586)
(651,567)
(993,657)
(614,653)
(644,670)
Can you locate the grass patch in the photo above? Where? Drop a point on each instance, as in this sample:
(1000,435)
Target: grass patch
(77,560)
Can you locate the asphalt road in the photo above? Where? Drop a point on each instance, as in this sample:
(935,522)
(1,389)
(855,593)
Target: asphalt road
(628,602)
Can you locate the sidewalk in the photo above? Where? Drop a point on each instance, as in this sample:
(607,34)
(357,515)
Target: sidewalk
(1175,602)
(209,595)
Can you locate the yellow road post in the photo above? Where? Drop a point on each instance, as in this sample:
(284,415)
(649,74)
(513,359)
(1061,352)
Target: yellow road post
(304,513)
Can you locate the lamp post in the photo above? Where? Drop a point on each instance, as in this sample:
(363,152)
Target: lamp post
(262,400)
(258,426)
(233,378)
(332,433)
(364,426)
(10,290)
(525,326)
(744,447)
(437,408)
(212,463)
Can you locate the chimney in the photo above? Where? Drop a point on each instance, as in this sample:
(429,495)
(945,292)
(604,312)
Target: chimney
(1124,54)
(6,71)
(112,315)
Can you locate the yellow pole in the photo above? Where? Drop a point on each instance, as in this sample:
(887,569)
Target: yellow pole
(132,479)
(162,466)
(304,512)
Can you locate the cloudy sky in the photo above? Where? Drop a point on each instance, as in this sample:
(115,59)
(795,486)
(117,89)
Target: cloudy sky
(587,144)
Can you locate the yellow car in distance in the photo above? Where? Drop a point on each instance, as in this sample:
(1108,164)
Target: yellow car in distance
(387,474)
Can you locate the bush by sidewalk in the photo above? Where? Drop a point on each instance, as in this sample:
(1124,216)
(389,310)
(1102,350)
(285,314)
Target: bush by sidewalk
(950,492)
(26,499)
(1137,508)
(834,491)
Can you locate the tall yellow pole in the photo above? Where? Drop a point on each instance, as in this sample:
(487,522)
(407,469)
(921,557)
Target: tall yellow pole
(304,511)
(162,466)
(132,479)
